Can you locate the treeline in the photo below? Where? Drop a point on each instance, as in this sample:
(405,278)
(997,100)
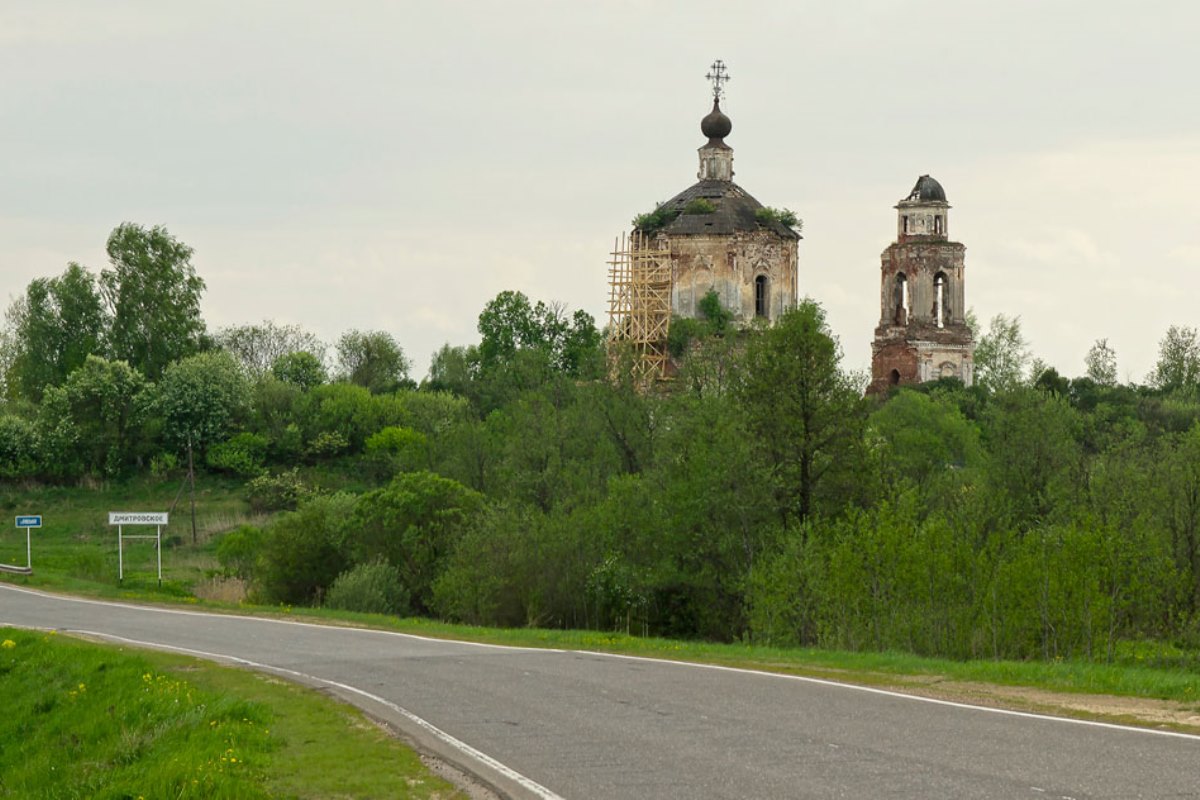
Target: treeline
(758,496)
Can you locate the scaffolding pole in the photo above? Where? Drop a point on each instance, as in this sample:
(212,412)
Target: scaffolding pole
(639,304)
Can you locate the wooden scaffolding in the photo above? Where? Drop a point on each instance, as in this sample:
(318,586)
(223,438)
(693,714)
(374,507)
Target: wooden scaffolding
(639,304)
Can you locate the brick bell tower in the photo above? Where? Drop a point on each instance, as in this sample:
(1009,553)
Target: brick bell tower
(922,333)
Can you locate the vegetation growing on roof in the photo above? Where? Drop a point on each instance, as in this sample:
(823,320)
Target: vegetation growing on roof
(655,220)
(784,216)
(700,206)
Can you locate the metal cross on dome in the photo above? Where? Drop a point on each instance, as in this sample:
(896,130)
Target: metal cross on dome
(718,76)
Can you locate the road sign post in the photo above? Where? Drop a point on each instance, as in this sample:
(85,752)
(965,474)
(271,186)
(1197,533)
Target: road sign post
(28,522)
(123,518)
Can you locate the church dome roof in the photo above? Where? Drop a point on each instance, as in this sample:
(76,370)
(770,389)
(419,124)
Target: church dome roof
(733,211)
(927,190)
(716,125)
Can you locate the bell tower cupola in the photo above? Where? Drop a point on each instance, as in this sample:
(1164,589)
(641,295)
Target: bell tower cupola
(924,214)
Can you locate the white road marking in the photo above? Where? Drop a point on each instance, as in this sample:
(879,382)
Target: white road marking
(319,626)
(526,783)
(646,659)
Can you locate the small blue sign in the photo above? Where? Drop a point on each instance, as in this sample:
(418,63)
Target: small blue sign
(32,521)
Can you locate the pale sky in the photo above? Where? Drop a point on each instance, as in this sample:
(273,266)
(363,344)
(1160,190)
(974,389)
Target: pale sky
(394,165)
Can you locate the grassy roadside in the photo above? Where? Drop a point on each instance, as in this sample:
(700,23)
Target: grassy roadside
(87,720)
(76,552)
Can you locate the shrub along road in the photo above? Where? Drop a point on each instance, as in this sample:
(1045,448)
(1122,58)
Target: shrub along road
(547,723)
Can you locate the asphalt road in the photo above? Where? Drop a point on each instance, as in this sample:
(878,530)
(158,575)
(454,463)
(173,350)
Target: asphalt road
(549,724)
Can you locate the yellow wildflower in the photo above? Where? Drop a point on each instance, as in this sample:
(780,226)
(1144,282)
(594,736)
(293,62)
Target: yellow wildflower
(8,644)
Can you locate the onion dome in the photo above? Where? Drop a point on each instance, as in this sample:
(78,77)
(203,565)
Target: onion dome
(716,126)
(927,190)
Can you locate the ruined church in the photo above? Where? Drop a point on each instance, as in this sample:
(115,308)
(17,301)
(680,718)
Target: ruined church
(715,237)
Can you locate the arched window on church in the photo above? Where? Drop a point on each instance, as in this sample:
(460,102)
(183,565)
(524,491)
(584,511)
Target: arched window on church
(939,227)
(894,377)
(762,300)
(900,300)
(941,293)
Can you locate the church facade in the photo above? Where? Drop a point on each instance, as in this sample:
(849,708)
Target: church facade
(722,239)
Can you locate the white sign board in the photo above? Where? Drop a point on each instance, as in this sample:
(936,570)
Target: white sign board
(137,518)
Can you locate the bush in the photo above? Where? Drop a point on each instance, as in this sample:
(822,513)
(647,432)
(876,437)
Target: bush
(18,445)
(242,455)
(239,550)
(699,206)
(784,216)
(163,464)
(655,220)
(373,588)
(327,444)
(305,550)
(282,492)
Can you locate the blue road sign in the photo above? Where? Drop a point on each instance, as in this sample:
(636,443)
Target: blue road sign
(29,521)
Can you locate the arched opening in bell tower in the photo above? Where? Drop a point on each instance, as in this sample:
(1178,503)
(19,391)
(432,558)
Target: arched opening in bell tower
(941,286)
(900,300)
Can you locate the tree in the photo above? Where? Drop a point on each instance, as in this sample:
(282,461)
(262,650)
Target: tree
(1002,354)
(1101,363)
(1178,363)
(153,295)
(510,324)
(302,369)
(805,413)
(258,347)
(54,327)
(373,360)
(200,398)
(107,402)
(453,369)
(413,524)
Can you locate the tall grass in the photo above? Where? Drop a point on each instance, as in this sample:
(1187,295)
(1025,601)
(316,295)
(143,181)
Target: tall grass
(84,720)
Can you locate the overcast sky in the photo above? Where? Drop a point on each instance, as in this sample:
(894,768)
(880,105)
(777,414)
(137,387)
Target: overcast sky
(394,165)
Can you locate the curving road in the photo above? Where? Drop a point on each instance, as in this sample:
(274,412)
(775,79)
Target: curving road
(565,724)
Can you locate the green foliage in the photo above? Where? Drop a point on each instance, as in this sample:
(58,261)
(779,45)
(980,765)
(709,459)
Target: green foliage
(239,551)
(326,444)
(242,454)
(153,296)
(1101,363)
(510,325)
(922,441)
(804,413)
(714,312)
(1178,365)
(655,220)
(714,320)
(284,491)
(699,205)
(201,398)
(258,348)
(397,449)
(302,369)
(1001,355)
(373,588)
(782,216)
(349,411)
(305,550)
(56,325)
(18,447)
(413,524)
(109,402)
(372,360)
